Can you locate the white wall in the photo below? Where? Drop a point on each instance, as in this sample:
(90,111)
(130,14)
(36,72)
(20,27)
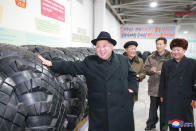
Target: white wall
(112,26)
(82,18)
(190,35)
(82,23)
(24,26)
(21,26)
(145,44)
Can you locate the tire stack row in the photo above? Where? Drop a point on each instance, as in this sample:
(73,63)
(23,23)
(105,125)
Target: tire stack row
(75,89)
(32,97)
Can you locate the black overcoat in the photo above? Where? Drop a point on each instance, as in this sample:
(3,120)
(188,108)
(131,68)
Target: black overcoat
(177,87)
(108,82)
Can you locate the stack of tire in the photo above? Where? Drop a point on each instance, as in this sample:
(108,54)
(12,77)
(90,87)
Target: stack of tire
(75,89)
(145,55)
(32,97)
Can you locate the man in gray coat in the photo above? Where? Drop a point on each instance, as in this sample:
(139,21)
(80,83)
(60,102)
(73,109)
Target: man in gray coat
(153,65)
(111,84)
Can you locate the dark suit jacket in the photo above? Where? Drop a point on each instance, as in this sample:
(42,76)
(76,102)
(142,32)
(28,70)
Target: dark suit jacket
(108,82)
(177,88)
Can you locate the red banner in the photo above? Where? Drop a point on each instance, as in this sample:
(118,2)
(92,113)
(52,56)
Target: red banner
(53,10)
(186,13)
(21,3)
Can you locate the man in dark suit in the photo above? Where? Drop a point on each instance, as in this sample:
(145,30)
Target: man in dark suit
(111,84)
(177,88)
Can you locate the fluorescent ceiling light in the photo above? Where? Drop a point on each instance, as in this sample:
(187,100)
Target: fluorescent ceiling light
(150,21)
(153,4)
(185,32)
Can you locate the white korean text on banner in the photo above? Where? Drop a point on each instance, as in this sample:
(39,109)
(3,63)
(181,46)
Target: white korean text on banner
(147,31)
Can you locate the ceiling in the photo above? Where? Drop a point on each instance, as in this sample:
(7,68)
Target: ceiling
(167,11)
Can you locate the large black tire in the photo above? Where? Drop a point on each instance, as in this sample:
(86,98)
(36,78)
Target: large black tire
(12,112)
(36,96)
(139,54)
(73,52)
(119,51)
(75,89)
(145,55)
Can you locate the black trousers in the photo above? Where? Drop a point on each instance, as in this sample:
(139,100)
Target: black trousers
(153,117)
(132,115)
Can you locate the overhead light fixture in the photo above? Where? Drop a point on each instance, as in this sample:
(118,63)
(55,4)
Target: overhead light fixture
(153,4)
(185,32)
(150,21)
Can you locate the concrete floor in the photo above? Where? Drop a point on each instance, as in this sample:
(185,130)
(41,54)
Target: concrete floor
(141,109)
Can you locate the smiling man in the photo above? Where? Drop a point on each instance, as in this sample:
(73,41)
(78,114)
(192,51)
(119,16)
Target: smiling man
(136,63)
(111,84)
(178,87)
(153,66)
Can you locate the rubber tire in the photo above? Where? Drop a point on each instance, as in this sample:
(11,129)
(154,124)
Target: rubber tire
(34,87)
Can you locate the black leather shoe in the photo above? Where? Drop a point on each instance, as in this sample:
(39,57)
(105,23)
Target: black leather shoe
(150,128)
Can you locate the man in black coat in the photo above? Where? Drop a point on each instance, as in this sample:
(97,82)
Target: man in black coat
(177,88)
(111,84)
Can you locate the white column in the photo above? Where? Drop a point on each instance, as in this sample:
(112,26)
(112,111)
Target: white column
(99,16)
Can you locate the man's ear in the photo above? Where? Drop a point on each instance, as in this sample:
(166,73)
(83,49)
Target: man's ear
(112,46)
(126,50)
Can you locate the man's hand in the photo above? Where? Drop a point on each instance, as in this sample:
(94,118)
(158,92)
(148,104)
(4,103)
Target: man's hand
(130,91)
(153,69)
(138,77)
(158,72)
(161,99)
(193,104)
(44,61)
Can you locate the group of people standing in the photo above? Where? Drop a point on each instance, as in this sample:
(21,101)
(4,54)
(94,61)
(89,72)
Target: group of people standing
(112,81)
(171,83)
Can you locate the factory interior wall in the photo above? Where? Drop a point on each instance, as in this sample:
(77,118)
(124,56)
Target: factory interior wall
(186,31)
(82,23)
(35,22)
(112,26)
(72,25)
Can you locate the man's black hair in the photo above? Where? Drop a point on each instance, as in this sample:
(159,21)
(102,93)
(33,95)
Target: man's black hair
(162,38)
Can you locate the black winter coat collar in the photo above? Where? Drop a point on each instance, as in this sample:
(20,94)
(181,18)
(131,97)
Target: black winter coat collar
(182,64)
(115,64)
